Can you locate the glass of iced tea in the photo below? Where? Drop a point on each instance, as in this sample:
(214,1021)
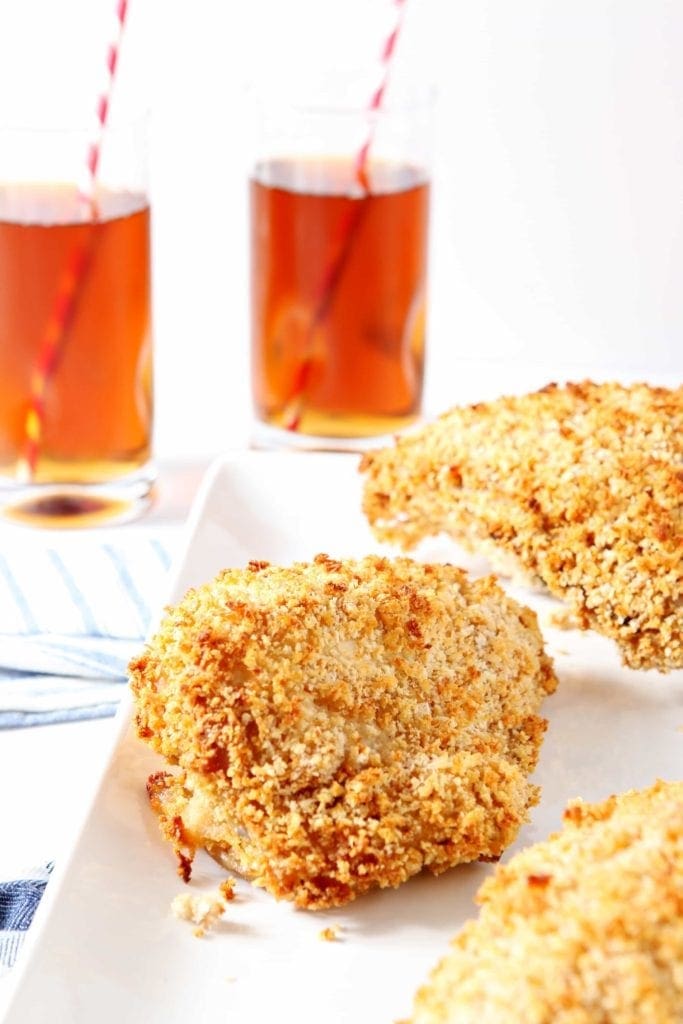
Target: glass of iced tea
(75,325)
(339,214)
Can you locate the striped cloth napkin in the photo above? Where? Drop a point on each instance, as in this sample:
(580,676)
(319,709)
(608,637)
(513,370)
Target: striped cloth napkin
(73,610)
(19,899)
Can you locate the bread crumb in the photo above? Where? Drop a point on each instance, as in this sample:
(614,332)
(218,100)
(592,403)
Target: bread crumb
(563,618)
(330,934)
(227,889)
(201,909)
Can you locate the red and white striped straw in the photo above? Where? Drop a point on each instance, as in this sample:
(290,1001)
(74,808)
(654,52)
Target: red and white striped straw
(377,98)
(295,407)
(63,305)
(86,191)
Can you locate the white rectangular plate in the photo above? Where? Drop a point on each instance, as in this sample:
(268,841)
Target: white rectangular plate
(106,947)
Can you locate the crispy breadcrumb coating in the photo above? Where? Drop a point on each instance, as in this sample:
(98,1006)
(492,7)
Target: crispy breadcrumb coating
(341,725)
(580,487)
(584,928)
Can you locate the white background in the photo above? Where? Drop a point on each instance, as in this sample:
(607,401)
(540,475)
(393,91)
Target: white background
(557,231)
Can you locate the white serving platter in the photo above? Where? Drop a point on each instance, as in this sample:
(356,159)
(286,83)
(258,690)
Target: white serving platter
(105,946)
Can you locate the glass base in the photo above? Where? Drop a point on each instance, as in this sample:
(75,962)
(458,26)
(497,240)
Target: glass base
(78,506)
(264,436)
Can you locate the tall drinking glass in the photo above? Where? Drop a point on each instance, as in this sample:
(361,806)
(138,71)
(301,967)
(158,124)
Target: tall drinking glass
(75,325)
(339,202)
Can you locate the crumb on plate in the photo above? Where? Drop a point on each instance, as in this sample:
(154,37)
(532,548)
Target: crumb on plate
(227,889)
(202,909)
(564,619)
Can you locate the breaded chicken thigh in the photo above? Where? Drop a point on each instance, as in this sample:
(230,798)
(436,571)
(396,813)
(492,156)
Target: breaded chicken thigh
(579,488)
(341,725)
(584,928)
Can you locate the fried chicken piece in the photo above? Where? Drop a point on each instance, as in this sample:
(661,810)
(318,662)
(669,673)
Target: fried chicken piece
(341,725)
(579,487)
(584,928)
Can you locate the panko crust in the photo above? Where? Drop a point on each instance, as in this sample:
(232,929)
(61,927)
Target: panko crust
(341,725)
(580,487)
(584,928)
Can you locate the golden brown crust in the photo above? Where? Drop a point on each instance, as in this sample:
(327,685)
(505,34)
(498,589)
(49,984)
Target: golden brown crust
(341,725)
(584,928)
(581,487)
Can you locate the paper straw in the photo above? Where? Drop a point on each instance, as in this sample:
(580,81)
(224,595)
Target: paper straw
(295,408)
(361,163)
(86,192)
(68,288)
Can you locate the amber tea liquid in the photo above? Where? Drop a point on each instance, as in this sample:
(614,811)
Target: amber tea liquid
(338,280)
(97,417)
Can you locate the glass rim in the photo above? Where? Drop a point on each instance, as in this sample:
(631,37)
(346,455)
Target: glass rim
(299,102)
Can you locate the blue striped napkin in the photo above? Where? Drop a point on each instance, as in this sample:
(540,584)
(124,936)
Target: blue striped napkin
(73,611)
(19,899)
